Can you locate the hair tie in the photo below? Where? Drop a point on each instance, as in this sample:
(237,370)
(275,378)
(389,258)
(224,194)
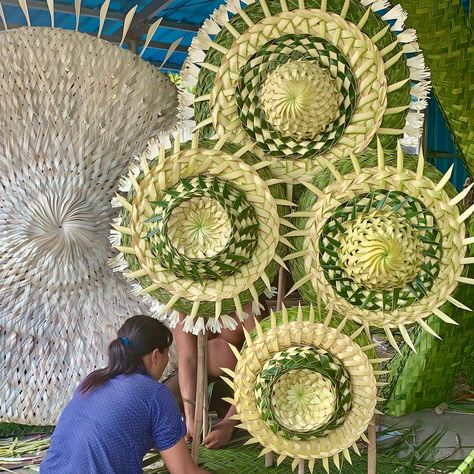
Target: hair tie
(124,340)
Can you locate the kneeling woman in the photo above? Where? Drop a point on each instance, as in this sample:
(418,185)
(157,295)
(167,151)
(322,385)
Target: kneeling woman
(119,413)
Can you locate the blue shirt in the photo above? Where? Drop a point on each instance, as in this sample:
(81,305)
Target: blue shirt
(110,429)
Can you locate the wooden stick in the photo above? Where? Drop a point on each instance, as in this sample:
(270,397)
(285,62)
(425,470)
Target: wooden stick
(269,459)
(372,449)
(280,297)
(205,403)
(281,288)
(200,388)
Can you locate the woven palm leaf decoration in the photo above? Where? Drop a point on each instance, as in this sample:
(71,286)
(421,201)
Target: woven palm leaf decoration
(446,35)
(305,81)
(74,107)
(305,386)
(382,239)
(426,379)
(200,230)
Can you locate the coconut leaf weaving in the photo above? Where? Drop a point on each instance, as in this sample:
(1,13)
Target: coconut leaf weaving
(304,389)
(200,231)
(445,34)
(382,240)
(74,109)
(281,76)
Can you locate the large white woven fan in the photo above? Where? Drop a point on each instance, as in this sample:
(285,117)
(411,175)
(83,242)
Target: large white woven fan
(73,109)
(305,81)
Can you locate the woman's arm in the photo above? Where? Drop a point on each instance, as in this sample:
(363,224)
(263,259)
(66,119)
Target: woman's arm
(178,460)
(187,372)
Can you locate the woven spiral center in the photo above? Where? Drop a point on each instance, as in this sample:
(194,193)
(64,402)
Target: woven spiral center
(381,251)
(202,228)
(300,99)
(199,227)
(61,227)
(303,400)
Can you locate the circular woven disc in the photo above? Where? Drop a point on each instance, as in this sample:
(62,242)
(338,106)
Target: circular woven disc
(74,108)
(281,51)
(237,60)
(384,246)
(244,243)
(289,337)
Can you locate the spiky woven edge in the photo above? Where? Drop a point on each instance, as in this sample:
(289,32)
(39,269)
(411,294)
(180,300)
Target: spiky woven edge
(427,378)
(316,315)
(102,18)
(195,321)
(396,15)
(381,159)
(445,32)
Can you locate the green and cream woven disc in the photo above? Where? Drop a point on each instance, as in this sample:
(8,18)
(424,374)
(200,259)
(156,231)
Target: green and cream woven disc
(304,82)
(304,389)
(382,240)
(204,228)
(314,388)
(279,87)
(200,228)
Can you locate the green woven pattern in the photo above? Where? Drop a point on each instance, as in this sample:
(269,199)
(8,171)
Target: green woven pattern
(8,430)
(427,378)
(238,216)
(354,14)
(338,262)
(231,96)
(467,467)
(219,243)
(244,460)
(445,34)
(342,258)
(308,359)
(332,422)
(469,369)
(260,66)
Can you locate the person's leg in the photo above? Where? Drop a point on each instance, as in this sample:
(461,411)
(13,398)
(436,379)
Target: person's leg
(172,383)
(220,355)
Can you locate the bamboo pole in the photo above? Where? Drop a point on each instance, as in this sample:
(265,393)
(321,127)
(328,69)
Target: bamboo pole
(372,449)
(281,288)
(205,403)
(280,297)
(200,389)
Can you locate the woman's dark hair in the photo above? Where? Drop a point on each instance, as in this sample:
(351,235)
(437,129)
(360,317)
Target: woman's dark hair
(138,336)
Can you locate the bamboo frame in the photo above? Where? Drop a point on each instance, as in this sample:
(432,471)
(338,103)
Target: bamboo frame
(280,299)
(201,389)
(205,403)
(372,448)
